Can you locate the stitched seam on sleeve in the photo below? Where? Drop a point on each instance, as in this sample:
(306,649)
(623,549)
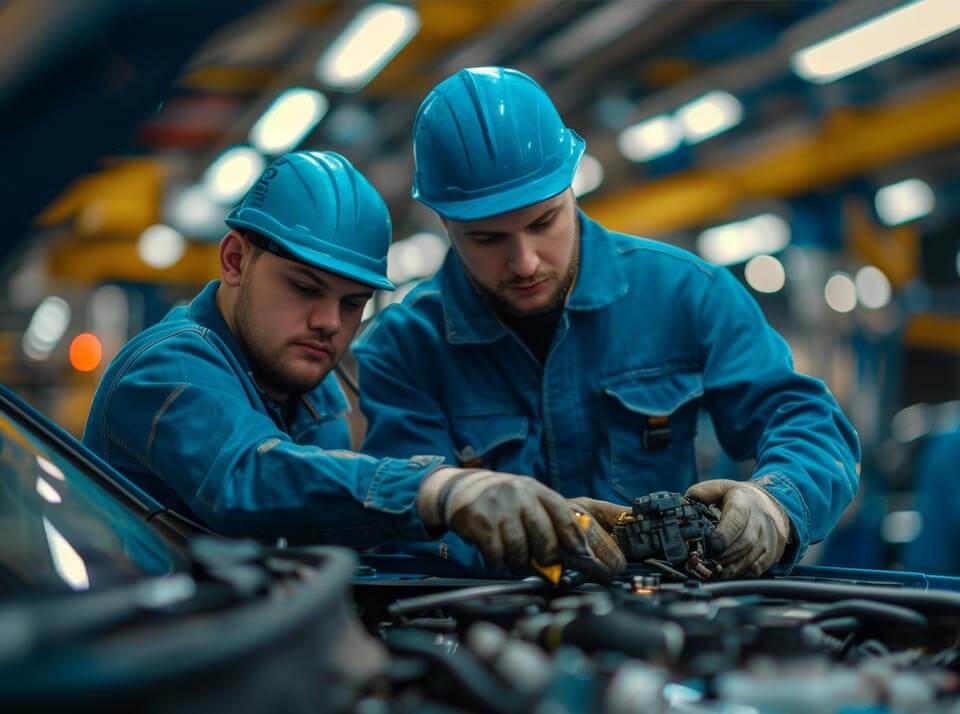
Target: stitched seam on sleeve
(128,450)
(156,417)
(108,401)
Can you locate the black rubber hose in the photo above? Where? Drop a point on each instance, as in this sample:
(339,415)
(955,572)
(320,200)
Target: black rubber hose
(925,601)
(421,603)
(622,631)
(874,611)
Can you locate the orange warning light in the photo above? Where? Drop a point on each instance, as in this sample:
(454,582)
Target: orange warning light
(85,352)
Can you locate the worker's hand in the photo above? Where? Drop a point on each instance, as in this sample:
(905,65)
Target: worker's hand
(510,518)
(603,517)
(604,512)
(753,529)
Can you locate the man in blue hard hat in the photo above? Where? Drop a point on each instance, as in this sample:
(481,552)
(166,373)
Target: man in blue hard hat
(549,346)
(227,412)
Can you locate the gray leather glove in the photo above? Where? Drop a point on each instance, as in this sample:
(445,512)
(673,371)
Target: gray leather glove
(604,512)
(510,518)
(753,529)
(603,517)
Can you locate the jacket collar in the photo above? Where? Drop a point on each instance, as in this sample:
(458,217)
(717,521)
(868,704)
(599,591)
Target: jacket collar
(600,282)
(204,311)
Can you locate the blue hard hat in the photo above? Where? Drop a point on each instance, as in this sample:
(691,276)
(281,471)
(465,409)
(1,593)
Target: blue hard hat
(488,140)
(319,210)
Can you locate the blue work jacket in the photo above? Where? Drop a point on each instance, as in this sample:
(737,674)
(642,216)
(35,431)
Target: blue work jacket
(179,413)
(650,335)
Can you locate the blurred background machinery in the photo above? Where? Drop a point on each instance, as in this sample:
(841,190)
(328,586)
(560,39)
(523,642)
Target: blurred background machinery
(810,146)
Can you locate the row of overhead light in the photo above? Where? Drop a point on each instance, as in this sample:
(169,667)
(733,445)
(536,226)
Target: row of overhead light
(366,45)
(699,120)
(46,329)
(108,324)
(379,31)
(869,288)
(755,240)
(854,49)
(736,242)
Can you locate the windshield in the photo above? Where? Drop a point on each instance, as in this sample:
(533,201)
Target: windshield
(61,529)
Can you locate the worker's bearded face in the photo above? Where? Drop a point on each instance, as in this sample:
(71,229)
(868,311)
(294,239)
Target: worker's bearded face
(294,322)
(522,263)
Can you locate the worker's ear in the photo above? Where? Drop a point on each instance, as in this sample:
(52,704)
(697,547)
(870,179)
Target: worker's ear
(233,249)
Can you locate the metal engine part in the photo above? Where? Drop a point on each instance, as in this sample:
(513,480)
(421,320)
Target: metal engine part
(666,526)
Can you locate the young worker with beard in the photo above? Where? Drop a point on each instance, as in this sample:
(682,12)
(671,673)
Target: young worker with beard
(550,346)
(227,412)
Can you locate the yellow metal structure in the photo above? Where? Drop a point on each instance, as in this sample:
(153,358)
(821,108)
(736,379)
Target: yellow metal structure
(896,251)
(848,144)
(96,262)
(934,332)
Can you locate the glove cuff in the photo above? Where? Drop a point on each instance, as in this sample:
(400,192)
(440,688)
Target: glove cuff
(775,511)
(435,491)
(428,495)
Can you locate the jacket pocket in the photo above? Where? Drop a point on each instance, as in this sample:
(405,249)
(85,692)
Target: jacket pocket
(651,425)
(490,440)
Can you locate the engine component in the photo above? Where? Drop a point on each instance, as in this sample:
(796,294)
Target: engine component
(666,526)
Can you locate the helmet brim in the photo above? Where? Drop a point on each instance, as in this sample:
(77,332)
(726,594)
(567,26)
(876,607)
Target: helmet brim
(318,259)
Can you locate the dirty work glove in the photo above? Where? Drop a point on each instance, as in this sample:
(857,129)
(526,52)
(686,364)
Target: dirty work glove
(603,517)
(510,518)
(753,529)
(604,512)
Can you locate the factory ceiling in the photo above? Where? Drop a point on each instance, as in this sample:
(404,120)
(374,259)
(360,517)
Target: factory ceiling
(113,110)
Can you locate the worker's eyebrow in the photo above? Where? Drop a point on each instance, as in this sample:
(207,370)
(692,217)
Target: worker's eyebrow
(542,218)
(546,215)
(304,272)
(312,276)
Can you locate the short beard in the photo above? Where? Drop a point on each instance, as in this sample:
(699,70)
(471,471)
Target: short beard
(267,373)
(502,306)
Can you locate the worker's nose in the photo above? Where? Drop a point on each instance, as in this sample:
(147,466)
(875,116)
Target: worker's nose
(524,260)
(325,316)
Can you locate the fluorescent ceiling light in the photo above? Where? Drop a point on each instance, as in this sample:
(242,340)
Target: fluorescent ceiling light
(902,526)
(651,138)
(47,326)
(194,213)
(711,114)
(840,293)
(589,175)
(878,39)
(234,171)
(161,246)
(873,287)
(736,242)
(289,119)
(904,201)
(765,274)
(109,311)
(371,40)
(418,256)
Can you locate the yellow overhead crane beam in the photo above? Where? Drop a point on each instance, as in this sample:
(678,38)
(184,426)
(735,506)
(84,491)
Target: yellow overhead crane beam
(444,26)
(106,213)
(104,261)
(848,144)
(119,201)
